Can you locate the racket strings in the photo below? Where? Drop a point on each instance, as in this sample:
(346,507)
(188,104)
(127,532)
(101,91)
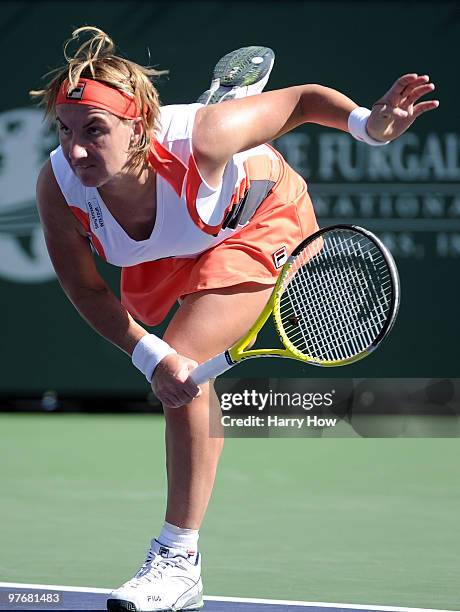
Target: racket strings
(375,270)
(378,312)
(328,331)
(347,312)
(330,318)
(336,297)
(327,336)
(342,308)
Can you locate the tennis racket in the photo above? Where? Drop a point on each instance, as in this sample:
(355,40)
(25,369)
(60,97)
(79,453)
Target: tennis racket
(335,300)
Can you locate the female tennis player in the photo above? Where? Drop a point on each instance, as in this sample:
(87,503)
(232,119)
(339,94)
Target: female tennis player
(193,205)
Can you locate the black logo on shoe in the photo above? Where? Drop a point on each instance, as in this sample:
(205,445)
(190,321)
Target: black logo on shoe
(154,598)
(164,552)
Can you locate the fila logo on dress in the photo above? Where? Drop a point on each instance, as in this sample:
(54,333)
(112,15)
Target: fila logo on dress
(280,257)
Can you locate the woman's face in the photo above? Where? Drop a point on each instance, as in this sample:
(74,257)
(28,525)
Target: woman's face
(96,143)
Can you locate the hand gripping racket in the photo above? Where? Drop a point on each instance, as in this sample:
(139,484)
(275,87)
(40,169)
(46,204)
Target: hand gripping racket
(335,300)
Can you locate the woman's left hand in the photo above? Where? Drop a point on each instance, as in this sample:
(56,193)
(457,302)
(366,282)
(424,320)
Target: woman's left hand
(393,113)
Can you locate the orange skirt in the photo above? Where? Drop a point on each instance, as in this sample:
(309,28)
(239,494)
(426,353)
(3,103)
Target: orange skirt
(284,219)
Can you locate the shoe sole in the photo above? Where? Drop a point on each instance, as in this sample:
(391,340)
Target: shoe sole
(237,70)
(122,605)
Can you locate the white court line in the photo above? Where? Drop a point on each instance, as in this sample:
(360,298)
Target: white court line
(273,602)
(322,604)
(52,587)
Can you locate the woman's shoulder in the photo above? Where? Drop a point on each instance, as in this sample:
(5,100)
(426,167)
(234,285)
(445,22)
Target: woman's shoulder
(48,191)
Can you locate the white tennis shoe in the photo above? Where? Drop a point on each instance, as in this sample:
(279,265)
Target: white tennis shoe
(168,580)
(238,74)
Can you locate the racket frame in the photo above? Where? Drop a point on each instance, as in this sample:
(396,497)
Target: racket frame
(395,299)
(239,351)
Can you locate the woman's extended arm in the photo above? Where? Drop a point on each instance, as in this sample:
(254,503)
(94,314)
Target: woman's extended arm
(70,253)
(221,130)
(74,264)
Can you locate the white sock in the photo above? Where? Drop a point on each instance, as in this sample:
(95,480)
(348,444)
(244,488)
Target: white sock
(176,537)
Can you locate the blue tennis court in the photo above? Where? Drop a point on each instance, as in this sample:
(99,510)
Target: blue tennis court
(78,598)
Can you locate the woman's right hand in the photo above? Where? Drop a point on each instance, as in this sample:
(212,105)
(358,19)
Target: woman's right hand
(171,381)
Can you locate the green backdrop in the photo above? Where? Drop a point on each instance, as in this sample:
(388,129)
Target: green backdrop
(407,192)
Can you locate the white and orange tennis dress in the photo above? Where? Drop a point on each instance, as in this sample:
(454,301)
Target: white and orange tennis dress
(203,237)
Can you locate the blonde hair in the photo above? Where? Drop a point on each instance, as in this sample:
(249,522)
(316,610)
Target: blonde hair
(95,59)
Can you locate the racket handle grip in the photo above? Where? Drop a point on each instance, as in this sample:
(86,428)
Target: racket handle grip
(210,369)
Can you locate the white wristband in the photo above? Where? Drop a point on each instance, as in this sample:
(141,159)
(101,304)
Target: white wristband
(357,122)
(148,353)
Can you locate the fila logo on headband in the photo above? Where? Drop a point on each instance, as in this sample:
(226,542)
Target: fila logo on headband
(280,257)
(77,92)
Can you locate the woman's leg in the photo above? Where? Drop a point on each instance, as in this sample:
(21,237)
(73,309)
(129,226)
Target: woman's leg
(206,324)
